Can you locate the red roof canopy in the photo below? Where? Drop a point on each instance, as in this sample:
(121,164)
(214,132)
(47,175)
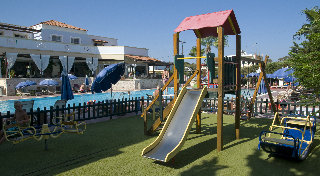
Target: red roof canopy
(207,24)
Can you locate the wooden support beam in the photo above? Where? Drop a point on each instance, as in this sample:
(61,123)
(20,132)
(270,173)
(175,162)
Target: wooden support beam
(198,121)
(238,86)
(220,89)
(175,71)
(273,106)
(262,75)
(253,99)
(232,26)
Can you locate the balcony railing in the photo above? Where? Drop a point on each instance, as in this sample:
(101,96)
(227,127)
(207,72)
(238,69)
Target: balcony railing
(21,43)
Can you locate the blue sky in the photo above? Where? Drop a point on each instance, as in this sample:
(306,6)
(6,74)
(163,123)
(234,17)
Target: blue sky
(266,27)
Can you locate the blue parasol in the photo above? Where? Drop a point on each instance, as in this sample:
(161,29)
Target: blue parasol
(48,82)
(66,90)
(108,76)
(71,77)
(25,84)
(86,81)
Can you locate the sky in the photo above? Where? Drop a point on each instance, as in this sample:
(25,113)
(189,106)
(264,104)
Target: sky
(266,27)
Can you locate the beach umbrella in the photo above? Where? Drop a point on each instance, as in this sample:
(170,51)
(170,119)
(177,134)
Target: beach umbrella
(48,82)
(66,90)
(71,77)
(25,84)
(108,76)
(86,80)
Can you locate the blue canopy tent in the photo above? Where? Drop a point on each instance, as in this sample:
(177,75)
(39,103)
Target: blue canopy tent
(282,73)
(108,76)
(253,74)
(25,84)
(291,79)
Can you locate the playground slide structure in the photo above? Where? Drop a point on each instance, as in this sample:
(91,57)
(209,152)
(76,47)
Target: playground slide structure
(177,126)
(294,139)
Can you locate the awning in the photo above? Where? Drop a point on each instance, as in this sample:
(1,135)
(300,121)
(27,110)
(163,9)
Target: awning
(144,59)
(205,25)
(96,40)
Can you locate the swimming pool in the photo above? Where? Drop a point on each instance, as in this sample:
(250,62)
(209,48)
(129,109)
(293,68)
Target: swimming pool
(49,101)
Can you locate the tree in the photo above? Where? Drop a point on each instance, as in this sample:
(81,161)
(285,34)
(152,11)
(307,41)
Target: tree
(207,43)
(305,57)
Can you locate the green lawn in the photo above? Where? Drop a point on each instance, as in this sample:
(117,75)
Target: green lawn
(114,148)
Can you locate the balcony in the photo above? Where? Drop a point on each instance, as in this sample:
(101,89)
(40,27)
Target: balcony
(31,46)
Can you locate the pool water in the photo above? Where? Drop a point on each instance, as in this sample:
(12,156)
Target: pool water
(83,98)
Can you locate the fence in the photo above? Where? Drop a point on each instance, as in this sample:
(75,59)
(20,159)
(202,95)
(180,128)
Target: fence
(263,106)
(122,106)
(84,111)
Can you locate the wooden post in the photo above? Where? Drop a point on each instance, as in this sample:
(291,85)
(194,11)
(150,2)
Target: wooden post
(238,86)
(175,71)
(273,106)
(220,89)
(198,121)
(262,75)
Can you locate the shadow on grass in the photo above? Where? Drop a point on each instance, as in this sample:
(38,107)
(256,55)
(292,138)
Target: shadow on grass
(190,154)
(69,151)
(206,168)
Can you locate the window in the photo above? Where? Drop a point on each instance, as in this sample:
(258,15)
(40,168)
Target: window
(98,44)
(56,38)
(75,40)
(20,36)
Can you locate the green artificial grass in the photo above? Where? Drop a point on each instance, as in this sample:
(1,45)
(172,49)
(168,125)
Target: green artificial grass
(114,148)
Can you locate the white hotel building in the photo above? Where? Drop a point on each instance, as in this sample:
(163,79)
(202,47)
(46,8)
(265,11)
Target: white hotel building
(21,48)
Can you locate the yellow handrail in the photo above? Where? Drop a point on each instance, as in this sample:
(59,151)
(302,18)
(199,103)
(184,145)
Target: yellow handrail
(190,79)
(192,57)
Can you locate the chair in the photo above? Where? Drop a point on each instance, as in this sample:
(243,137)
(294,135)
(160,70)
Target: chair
(16,133)
(51,90)
(22,92)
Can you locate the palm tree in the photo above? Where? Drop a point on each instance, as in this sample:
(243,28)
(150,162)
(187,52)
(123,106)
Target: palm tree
(207,43)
